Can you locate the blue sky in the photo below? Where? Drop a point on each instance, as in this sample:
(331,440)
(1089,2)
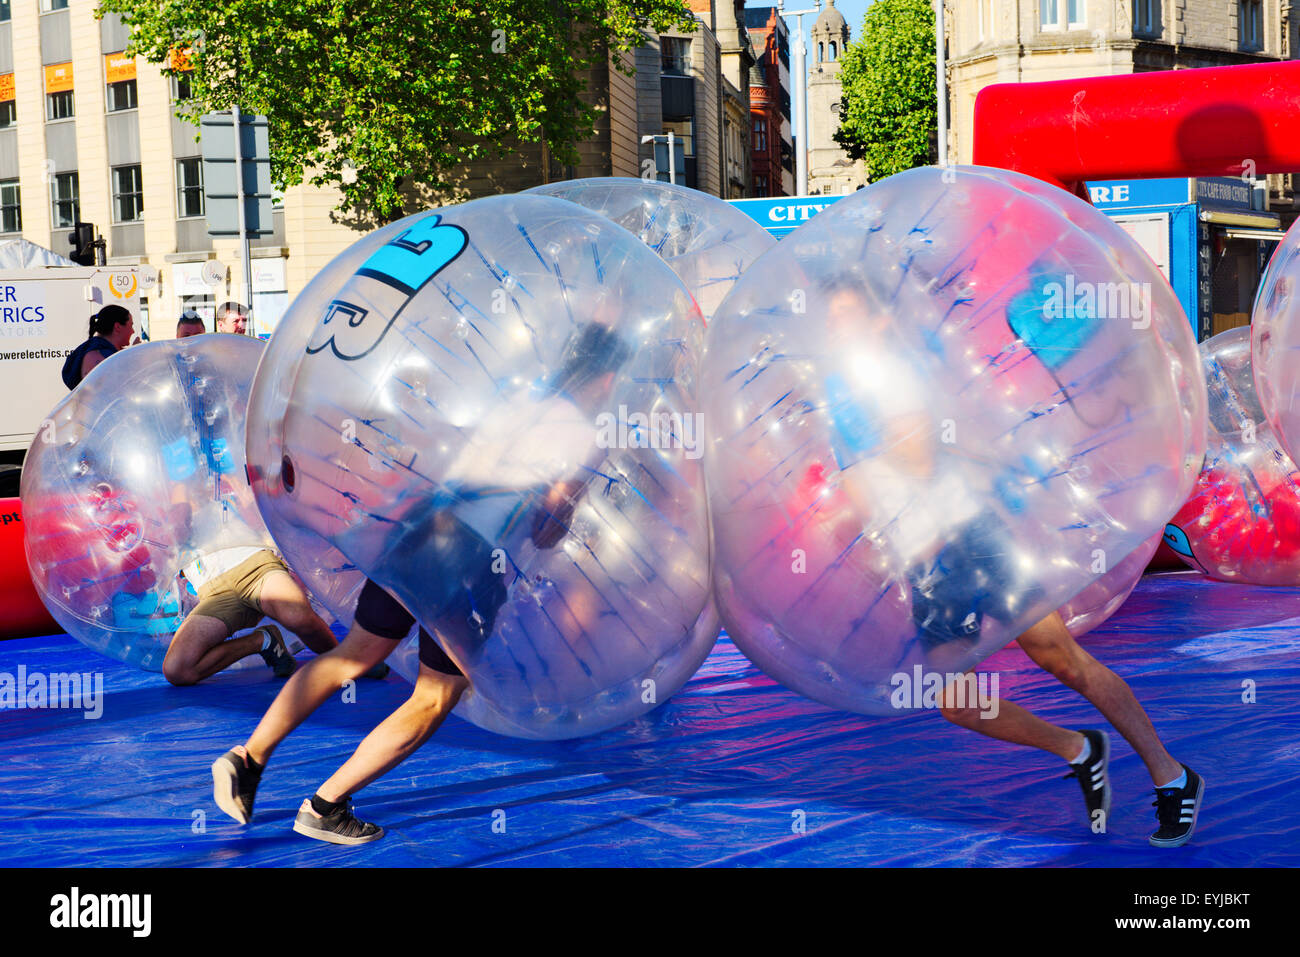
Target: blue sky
(853,10)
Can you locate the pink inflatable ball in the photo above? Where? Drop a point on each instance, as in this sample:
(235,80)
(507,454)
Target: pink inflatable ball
(1095,605)
(1242,520)
(979,423)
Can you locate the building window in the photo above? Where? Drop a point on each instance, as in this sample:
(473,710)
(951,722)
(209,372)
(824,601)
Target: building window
(1250,24)
(1050,11)
(682,133)
(760,185)
(180,86)
(58,106)
(821,52)
(65,200)
(8,113)
(1146,18)
(128,195)
(676,53)
(122,96)
(49,6)
(11,212)
(760,135)
(189,187)
(5,13)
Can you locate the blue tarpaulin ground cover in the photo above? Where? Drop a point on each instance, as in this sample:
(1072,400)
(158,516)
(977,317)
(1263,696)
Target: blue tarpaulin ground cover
(733,770)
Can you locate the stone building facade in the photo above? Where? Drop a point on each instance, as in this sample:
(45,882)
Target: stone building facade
(1018,41)
(830,171)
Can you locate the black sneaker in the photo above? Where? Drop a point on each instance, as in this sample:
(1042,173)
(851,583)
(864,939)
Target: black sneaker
(234,784)
(1093,776)
(1177,810)
(338,827)
(277,657)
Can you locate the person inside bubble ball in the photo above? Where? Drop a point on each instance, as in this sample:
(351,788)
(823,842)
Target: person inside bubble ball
(515,485)
(959,572)
(237,587)
(919,501)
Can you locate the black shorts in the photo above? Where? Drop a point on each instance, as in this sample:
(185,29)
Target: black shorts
(381,614)
(971,579)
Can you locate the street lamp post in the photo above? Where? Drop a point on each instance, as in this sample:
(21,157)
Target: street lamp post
(246,258)
(672,165)
(941,80)
(800,96)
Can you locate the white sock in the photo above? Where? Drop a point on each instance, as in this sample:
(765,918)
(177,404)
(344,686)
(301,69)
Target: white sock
(1085,753)
(1178,782)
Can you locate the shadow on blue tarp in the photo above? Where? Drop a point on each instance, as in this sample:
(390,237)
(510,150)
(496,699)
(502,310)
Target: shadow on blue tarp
(724,773)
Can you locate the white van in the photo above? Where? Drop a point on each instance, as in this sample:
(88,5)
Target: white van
(44,315)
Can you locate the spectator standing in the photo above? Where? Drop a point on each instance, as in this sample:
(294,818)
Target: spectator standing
(232,317)
(110,330)
(190,324)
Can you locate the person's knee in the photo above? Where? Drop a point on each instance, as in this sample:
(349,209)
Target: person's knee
(1069,669)
(437,692)
(357,654)
(296,616)
(180,674)
(963,715)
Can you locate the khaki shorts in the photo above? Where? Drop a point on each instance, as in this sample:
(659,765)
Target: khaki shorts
(233,597)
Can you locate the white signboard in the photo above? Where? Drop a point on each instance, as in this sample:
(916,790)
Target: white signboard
(1151,230)
(268,275)
(187,280)
(22,311)
(270,297)
(214,272)
(44,315)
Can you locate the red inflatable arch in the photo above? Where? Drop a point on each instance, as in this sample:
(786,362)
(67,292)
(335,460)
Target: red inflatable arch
(1219,121)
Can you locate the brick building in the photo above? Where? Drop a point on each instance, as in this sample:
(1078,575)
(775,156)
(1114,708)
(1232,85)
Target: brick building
(772,140)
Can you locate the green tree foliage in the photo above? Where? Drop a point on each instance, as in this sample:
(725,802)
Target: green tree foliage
(369,95)
(888,114)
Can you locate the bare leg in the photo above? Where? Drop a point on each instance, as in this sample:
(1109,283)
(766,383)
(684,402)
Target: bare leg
(199,649)
(311,684)
(401,733)
(1052,648)
(284,600)
(1013,723)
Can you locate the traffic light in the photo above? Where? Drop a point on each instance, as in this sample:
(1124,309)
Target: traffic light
(83,244)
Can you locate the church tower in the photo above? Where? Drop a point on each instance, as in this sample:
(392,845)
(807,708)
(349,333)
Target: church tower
(830,171)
